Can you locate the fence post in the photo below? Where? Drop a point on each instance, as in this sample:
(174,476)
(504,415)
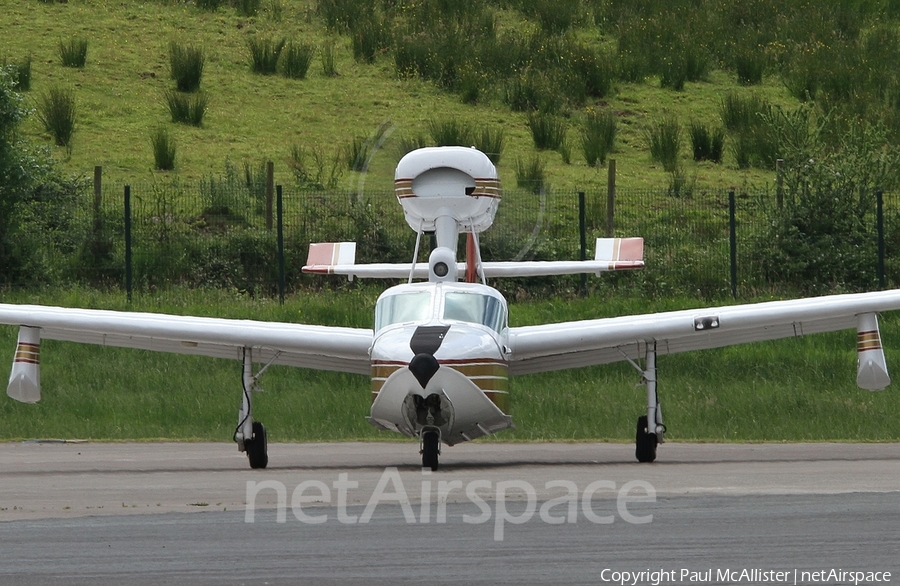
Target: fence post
(128,282)
(611,198)
(582,231)
(879,218)
(732,242)
(280,212)
(98,194)
(779,183)
(270,182)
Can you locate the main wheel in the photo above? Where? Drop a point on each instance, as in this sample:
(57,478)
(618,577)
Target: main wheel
(430,445)
(645,443)
(257,448)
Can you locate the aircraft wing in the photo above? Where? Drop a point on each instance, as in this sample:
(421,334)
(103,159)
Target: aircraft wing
(600,341)
(318,347)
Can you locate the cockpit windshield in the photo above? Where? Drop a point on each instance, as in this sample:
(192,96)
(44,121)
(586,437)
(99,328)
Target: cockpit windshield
(403,308)
(475,308)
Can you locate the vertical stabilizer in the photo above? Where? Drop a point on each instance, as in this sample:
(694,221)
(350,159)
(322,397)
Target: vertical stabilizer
(25,378)
(872,371)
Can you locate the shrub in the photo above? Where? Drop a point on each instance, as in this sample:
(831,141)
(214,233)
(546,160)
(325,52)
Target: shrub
(491,143)
(163,146)
(295,60)
(741,113)
(597,137)
(664,137)
(750,65)
(247,7)
(264,54)
(187,108)
(450,133)
(369,36)
(532,90)
(186,66)
(73,53)
(547,130)
(328,67)
(707,143)
(20,73)
(531,175)
(56,111)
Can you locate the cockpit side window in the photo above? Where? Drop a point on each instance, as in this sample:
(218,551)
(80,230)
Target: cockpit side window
(403,308)
(475,308)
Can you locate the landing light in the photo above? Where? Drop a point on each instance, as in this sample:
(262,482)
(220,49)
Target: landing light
(706,323)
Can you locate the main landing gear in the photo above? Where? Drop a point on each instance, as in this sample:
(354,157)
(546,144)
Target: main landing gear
(431,448)
(649,435)
(251,435)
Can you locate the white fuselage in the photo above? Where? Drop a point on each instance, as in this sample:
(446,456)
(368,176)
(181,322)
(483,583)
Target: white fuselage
(439,361)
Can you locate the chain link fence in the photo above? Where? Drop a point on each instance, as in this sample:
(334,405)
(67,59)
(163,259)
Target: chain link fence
(211,234)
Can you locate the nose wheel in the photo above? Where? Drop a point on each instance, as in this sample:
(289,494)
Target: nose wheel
(431,448)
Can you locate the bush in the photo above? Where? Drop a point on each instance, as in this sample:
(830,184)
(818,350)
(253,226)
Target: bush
(451,133)
(186,66)
(295,60)
(368,37)
(491,143)
(247,7)
(597,137)
(664,137)
(264,54)
(547,130)
(187,108)
(707,143)
(531,174)
(163,146)
(328,67)
(56,111)
(73,53)
(20,73)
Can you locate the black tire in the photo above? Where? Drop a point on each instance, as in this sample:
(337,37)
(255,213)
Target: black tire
(645,443)
(430,445)
(257,448)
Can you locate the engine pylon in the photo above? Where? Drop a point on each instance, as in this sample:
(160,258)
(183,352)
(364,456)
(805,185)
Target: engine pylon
(871,371)
(25,378)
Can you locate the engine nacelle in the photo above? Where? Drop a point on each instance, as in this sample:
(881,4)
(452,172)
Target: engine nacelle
(456,182)
(25,378)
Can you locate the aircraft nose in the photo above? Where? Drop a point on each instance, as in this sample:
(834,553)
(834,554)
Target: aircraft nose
(423,366)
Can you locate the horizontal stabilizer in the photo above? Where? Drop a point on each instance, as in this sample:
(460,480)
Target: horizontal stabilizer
(612,254)
(25,378)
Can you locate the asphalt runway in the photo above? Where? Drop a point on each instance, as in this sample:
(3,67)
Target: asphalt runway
(496,513)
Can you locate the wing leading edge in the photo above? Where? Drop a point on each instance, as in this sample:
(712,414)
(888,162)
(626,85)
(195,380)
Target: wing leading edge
(318,347)
(584,343)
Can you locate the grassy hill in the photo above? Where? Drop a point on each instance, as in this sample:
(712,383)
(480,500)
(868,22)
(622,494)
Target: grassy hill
(252,118)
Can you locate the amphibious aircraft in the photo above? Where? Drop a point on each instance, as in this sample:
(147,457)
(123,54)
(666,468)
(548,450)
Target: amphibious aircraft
(441,351)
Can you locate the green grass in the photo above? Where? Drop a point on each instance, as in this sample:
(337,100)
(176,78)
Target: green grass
(792,390)
(257,118)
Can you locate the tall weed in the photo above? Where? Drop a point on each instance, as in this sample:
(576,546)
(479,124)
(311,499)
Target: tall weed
(547,130)
(187,108)
(296,59)
(664,137)
(598,136)
(264,54)
(56,111)
(73,52)
(186,66)
(163,146)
